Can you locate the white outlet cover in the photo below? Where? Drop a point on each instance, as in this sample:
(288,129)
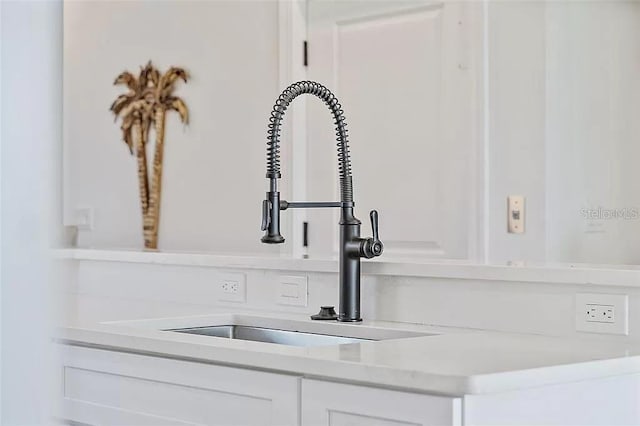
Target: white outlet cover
(83,218)
(292,290)
(226,278)
(619,304)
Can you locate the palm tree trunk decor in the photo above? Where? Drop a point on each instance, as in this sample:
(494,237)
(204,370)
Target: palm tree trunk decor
(143,107)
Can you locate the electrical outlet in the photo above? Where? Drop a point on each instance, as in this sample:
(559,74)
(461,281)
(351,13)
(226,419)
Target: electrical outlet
(602,313)
(84,218)
(515,211)
(292,290)
(232,287)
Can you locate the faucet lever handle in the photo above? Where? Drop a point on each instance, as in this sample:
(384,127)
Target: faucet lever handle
(265,215)
(372,247)
(374,224)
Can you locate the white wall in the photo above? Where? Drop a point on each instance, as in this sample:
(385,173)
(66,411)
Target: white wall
(31,49)
(593,143)
(516,144)
(563,108)
(214,173)
(561,126)
(120,290)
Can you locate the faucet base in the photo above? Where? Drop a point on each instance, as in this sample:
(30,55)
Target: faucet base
(349,320)
(327,313)
(272,239)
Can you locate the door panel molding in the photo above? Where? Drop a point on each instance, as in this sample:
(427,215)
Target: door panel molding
(420,174)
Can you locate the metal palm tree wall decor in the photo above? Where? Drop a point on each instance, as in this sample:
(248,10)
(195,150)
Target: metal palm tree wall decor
(144,106)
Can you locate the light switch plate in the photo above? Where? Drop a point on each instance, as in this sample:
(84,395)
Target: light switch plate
(292,290)
(602,313)
(515,211)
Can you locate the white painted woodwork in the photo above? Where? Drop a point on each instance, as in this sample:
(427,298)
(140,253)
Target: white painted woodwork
(30,147)
(337,404)
(515,85)
(593,105)
(604,402)
(104,387)
(292,26)
(404,74)
(563,102)
(106,285)
(115,388)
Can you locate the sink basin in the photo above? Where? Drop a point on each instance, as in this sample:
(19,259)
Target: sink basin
(286,332)
(268,335)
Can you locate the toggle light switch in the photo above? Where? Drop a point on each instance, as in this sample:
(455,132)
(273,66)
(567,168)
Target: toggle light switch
(515,211)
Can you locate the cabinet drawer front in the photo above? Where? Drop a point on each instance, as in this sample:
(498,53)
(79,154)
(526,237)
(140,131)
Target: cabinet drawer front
(106,387)
(337,404)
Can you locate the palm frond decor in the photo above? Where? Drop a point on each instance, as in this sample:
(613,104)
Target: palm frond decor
(144,106)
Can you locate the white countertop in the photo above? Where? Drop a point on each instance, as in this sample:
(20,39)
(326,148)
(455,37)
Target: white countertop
(451,362)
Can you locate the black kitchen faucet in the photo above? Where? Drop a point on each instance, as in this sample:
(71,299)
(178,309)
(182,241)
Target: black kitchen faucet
(352,246)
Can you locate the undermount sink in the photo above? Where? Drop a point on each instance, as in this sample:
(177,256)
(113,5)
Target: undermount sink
(268,335)
(291,333)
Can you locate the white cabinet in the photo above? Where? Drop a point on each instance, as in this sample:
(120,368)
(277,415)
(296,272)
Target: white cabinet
(598,402)
(101,387)
(336,404)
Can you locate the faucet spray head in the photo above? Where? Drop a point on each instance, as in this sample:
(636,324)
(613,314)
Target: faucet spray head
(271,219)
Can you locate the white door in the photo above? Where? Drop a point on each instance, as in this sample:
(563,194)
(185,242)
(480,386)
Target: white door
(405,74)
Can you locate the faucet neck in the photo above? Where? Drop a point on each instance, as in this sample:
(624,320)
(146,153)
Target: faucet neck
(347,217)
(275,122)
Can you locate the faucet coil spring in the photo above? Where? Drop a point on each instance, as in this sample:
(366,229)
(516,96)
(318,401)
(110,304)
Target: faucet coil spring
(275,121)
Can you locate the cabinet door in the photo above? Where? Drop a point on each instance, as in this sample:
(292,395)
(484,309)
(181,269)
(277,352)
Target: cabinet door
(102,387)
(335,404)
(597,402)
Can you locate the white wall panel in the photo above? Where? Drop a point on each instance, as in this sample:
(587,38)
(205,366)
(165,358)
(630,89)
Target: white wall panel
(214,168)
(404,74)
(593,105)
(516,144)
(120,291)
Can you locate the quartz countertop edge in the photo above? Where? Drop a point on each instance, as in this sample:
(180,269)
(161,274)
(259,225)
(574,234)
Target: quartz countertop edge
(606,275)
(438,374)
